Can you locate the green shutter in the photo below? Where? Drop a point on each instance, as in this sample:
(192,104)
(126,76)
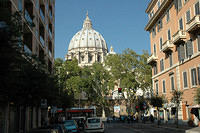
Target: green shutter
(189,48)
(182,52)
(198,40)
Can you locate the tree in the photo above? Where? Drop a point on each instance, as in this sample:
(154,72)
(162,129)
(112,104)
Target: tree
(144,72)
(24,78)
(197,97)
(157,101)
(176,99)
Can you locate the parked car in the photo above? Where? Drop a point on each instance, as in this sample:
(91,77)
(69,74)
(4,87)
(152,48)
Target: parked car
(94,124)
(60,128)
(71,126)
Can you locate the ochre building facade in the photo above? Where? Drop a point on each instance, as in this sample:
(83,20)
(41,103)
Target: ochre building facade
(174,27)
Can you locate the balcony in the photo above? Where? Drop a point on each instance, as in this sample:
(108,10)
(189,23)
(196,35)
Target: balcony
(42,15)
(152,59)
(42,41)
(28,17)
(165,4)
(193,24)
(167,46)
(179,36)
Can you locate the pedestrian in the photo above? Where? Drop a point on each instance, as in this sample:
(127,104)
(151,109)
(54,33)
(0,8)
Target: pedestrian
(151,118)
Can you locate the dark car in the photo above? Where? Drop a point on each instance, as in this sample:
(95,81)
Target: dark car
(60,128)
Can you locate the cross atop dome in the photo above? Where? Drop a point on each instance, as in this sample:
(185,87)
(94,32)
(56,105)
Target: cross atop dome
(87,22)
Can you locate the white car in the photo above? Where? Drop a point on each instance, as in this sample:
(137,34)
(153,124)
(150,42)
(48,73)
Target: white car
(94,124)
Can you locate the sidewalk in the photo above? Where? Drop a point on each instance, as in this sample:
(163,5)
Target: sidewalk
(170,126)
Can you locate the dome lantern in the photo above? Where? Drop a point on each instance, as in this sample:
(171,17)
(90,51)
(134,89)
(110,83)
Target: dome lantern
(87,23)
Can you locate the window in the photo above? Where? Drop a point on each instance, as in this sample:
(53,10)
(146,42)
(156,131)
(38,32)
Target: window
(154,49)
(164,89)
(170,59)
(181,52)
(179,4)
(181,24)
(167,16)
(172,82)
(90,58)
(189,48)
(157,88)
(185,1)
(155,69)
(20,5)
(185,82)
(188,16)
(153,32)
(193,76)
(99,58)
(161,65)
(82,58)
(198,41)
(158,3)
(159,25)
(161,43)
(197,8)
(198,70)
(169,34)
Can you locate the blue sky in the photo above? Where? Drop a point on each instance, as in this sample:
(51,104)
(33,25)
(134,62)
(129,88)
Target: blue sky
(121,22)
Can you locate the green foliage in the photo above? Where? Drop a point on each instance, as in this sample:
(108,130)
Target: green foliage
(24,78)
(156,101)
(176,97)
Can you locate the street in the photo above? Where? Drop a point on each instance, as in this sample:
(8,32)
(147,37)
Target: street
(139,128)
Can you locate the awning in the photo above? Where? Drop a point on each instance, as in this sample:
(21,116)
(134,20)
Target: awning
(194,106)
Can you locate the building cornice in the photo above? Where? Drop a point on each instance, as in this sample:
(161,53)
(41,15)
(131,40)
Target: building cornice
(150,5)
(165,4)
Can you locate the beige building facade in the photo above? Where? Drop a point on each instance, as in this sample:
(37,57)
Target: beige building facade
(174,27)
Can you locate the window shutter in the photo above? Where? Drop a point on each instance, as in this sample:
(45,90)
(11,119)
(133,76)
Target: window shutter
(179,54)
(198,40)
(198,70)
(179,4)
(189,48)
(182,52)
(185,79)
(197,8)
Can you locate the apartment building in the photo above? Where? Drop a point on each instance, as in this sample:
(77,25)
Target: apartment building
(38,38)
(174,27)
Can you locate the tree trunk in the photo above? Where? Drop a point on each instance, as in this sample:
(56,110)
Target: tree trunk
(177,116)
(158,116)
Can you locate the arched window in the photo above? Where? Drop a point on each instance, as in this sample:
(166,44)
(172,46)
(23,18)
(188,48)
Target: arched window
(90,58)
(99,58)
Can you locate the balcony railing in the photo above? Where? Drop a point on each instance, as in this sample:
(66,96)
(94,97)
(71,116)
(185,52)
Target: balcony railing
(167,45)
(193,24)
(28,17)
(42,15)
(42,41)
(152,59)
(179,36)
(27,49)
